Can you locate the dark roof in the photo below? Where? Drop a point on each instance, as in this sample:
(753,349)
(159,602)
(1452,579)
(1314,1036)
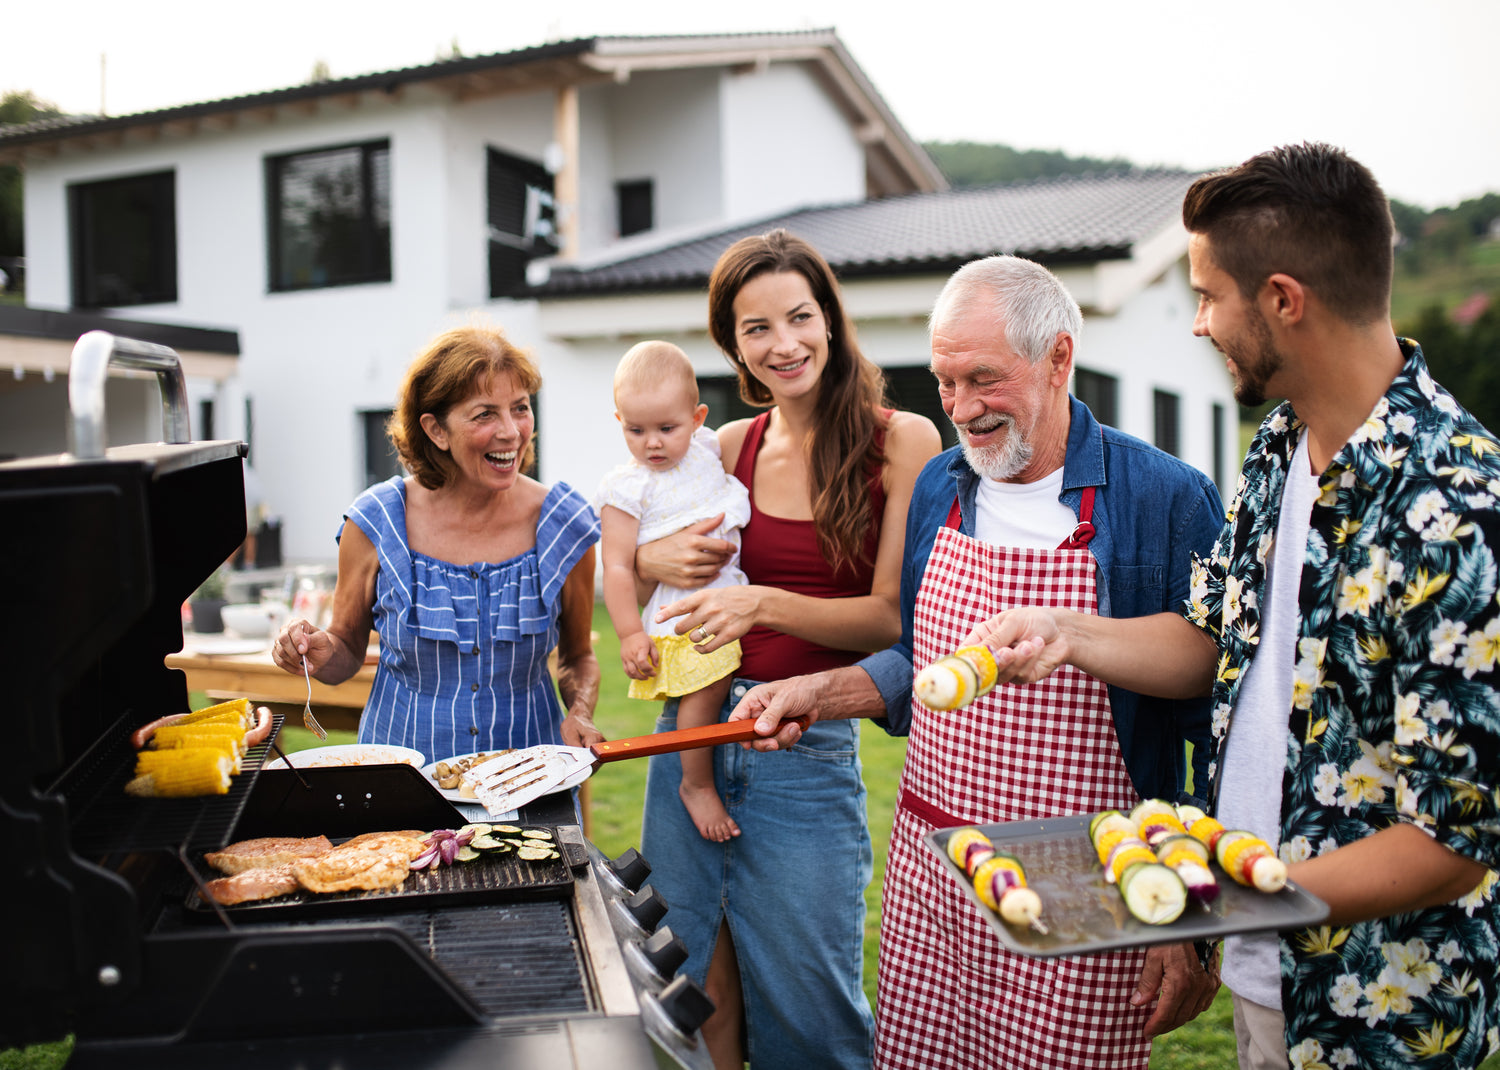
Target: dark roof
(1075,218)
(384,81)
(67,326)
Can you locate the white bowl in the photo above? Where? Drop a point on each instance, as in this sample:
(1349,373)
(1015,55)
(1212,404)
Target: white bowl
(252,619)
(352,754)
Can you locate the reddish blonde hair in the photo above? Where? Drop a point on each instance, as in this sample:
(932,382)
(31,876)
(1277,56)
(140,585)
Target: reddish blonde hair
(455,366)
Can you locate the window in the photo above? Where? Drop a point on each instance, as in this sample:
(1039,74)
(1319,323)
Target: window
(522,218)
(1100,392)
(634,201)
(1165,407)
(330,216)
(124,236)
(381,459)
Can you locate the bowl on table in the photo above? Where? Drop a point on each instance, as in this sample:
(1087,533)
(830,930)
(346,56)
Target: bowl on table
(253,619)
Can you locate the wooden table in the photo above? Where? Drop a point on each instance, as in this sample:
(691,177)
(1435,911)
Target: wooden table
(256,677)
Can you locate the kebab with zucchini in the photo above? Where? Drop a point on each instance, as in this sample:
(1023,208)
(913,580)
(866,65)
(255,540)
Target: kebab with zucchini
(1153,892)
(998,878)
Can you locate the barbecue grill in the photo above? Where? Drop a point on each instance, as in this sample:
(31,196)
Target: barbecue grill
(492,963)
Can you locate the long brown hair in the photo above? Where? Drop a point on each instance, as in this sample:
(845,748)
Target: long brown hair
(844,452)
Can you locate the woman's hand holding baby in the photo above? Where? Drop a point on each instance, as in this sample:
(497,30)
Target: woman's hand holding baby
(688,558)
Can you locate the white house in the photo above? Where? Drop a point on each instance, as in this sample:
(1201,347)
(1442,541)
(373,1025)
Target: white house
(575,194)
(1116,241)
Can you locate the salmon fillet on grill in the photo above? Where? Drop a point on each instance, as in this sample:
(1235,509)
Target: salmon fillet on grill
(266,852)
(262,883)
(346,868)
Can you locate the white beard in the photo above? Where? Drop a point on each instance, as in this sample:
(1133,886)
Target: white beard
(1004,459)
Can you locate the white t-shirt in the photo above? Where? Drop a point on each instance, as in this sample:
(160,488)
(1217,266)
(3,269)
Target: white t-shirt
(1255,753)
(1027,516)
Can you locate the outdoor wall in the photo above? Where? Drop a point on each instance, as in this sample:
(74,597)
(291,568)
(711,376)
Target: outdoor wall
(785,144)
(311,360)
(666,126)
(1149,345)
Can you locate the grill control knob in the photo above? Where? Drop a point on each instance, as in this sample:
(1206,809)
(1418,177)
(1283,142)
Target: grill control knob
(665,951)
(630,869)
(686,1004)
(647,907)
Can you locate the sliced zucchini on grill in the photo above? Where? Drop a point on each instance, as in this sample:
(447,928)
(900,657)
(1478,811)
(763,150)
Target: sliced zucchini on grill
(505,830)
(479,827)
(536,834)
(466,854)
(482,842)
(536,854)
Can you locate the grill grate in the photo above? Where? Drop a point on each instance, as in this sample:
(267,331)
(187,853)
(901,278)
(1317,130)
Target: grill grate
(109,821)
(490,877)
(512,958)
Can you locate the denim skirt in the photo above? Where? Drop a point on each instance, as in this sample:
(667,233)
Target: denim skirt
(790,887)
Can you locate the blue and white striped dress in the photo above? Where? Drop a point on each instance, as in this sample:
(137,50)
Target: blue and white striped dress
(463,648)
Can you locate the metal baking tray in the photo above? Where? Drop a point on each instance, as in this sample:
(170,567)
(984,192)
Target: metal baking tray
(1084,914)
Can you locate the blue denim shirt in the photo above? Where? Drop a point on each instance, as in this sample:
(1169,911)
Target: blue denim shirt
(1152,513)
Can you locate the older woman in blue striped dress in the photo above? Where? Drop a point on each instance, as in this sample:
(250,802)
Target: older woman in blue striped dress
(470,571)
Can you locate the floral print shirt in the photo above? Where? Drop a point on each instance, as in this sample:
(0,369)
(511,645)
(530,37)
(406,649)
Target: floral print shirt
(1395,713)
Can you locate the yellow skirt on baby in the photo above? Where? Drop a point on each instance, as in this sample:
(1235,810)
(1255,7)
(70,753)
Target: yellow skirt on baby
(682,670)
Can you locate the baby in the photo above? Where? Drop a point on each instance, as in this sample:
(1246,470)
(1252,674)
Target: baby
(675,479)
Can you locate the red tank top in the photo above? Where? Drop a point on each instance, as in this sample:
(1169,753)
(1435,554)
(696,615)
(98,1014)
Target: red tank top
(776,552)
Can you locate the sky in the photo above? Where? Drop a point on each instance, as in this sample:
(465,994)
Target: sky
(1407,88)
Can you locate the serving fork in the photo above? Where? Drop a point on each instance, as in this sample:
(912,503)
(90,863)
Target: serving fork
(308,720)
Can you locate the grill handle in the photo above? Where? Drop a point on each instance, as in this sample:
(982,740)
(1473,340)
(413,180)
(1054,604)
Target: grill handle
(88,368)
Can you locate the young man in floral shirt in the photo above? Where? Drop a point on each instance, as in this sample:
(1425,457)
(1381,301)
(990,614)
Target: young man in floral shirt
(1347,622)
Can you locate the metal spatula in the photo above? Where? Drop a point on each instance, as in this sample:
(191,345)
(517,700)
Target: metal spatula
(513,780)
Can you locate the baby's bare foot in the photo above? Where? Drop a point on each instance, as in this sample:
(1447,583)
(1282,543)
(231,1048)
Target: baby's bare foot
(707,811)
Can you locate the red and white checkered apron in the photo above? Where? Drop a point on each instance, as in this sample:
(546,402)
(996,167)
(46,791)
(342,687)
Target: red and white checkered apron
(950,995)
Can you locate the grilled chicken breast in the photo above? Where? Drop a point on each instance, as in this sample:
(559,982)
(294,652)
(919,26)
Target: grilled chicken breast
(361,866)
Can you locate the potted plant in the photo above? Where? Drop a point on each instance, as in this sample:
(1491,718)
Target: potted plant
(207,603)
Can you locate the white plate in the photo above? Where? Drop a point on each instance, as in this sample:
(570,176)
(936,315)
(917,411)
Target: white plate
(351,754)
(452,794)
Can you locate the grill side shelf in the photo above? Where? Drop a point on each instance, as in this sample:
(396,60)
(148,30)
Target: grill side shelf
(108,821)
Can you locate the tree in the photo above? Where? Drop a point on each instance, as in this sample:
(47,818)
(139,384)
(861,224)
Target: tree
(17,106)
(1466,360)
(969,163)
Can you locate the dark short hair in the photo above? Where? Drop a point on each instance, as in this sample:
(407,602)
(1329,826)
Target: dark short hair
(1308,211)
(454,367)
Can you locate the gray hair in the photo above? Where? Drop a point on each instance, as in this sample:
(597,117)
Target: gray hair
(1030,301)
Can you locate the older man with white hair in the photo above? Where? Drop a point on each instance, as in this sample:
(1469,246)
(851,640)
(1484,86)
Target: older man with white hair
(1039,503)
